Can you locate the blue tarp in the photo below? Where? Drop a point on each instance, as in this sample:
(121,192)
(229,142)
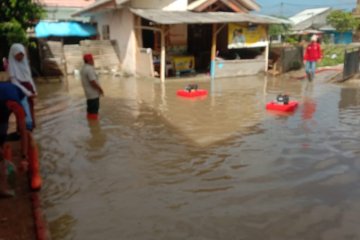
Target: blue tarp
(64,29)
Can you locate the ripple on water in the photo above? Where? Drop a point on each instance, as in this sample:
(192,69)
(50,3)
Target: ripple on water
(156,164)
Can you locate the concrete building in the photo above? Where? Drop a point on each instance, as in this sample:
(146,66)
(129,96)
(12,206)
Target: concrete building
(177,36)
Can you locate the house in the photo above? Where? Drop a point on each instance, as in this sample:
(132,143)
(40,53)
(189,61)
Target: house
(309,20)
(179,36)
(313,21)
(57,28)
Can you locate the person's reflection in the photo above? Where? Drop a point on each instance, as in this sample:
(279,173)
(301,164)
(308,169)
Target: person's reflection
(308,102)
(309,108)
(98,137)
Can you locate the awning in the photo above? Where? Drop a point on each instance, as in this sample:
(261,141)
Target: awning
(187,17)
(64,29)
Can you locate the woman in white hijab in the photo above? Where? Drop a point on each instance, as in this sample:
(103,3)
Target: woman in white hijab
(20,75)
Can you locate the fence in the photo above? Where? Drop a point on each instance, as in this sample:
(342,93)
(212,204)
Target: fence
(284,59)
(351,63)
(291,58)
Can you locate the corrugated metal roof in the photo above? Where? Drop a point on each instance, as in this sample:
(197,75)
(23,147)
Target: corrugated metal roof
(187,17)
(307,14)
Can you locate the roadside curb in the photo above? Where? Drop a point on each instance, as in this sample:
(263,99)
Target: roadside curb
(41,226)
(320,70)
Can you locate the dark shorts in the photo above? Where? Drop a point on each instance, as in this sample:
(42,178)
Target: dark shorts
(5,111)
(93,105)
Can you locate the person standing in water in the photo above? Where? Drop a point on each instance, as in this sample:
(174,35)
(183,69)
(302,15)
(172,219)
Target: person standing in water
(91,85)
(312,54)
(20,75)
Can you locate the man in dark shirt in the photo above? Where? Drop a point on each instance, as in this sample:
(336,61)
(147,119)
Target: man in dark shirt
(10,102)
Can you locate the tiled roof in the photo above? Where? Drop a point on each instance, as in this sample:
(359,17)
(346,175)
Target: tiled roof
(66,3)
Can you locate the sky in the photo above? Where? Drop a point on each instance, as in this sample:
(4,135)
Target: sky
(288,8)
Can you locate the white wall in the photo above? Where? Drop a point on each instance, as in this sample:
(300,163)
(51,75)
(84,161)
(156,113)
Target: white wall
(121,24)
(169,5)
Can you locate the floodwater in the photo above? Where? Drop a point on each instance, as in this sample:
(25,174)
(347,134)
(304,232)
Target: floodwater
(157,166)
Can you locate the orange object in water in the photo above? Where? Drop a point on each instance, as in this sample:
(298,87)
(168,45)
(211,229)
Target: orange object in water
(274,106)
(192,93)
(7,152)
(35,177)
(92,116)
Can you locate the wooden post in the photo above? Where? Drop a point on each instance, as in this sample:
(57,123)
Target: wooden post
(213,51)
(267,56)
(162,56)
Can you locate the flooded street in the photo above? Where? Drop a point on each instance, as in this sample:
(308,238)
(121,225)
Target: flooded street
(157,166)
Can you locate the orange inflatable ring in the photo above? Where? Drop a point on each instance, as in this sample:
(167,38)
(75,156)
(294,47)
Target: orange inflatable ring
(274,106)
(192,93)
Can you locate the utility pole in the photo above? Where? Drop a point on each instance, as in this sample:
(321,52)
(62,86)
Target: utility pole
(281,9)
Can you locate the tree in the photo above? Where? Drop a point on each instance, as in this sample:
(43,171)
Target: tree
(342,21)
(16,16)
(279,29)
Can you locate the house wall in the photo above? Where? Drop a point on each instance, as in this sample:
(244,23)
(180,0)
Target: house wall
(121,24)
(343,38)
(231,68)
(169,5)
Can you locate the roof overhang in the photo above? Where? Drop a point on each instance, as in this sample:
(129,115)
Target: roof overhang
(187,17)
(305,32)
(99,6)
(251,5)
(235,5)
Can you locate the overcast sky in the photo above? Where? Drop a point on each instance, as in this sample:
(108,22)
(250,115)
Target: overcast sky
(289,8)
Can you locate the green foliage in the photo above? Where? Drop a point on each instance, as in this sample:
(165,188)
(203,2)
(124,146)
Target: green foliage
(296,65)
(16,16)
(342,21)
(14,32)
(333,54)
(291,39)
(278,29)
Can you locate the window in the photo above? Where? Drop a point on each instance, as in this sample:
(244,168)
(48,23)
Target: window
(105,32)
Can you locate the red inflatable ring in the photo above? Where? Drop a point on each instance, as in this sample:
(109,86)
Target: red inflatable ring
(191,94)
(274,106)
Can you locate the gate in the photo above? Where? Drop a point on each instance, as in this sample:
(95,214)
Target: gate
(351,63)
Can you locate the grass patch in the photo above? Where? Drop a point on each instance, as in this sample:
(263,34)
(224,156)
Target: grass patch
(333,54)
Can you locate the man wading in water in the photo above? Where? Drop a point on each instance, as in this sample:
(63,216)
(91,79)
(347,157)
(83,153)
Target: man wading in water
(91,86)
(312,55)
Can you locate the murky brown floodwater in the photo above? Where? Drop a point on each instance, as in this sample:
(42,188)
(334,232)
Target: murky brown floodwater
(158,167)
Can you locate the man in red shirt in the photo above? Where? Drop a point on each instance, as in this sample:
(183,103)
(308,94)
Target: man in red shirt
(312,54)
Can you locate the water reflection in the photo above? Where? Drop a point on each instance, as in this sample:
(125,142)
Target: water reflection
(157,166)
